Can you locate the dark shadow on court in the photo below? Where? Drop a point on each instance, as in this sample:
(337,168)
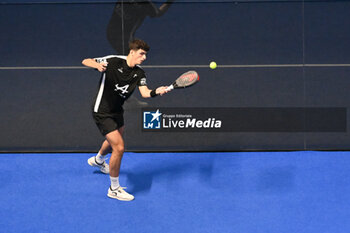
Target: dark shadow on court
(140,179)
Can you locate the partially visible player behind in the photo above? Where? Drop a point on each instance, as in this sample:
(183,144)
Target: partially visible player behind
(120,76)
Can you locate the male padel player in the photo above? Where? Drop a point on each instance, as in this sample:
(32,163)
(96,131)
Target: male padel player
(120,76)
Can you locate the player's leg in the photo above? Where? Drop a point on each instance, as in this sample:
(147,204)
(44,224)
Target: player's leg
(116,141)
(106,125)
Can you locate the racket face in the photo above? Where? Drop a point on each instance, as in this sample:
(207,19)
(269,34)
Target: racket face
(187,79)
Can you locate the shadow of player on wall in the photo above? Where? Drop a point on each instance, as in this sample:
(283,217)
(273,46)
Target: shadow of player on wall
(127,17)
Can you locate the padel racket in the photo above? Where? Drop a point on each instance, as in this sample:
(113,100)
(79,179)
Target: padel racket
(185,80)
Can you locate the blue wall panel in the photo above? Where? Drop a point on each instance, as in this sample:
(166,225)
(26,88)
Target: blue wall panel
(271,54)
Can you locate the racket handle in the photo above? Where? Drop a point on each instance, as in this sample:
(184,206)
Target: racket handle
(169,88)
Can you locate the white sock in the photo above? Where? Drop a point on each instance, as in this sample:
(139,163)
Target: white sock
(114,182)
(100,158)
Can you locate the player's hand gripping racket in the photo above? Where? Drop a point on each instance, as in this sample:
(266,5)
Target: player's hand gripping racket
(185,80)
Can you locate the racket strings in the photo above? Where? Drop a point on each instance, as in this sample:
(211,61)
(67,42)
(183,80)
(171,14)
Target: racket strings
(187,79)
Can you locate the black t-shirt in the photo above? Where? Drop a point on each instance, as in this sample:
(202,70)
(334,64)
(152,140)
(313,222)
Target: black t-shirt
(117,83)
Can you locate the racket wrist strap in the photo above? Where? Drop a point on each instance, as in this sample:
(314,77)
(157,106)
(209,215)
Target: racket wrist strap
(153,93)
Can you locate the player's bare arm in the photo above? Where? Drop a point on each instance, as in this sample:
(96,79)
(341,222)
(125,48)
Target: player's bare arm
(90,62)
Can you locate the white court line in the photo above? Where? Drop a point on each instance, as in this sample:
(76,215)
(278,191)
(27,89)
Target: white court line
(176,66)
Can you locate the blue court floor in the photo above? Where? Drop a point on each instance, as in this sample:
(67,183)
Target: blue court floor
(243,192)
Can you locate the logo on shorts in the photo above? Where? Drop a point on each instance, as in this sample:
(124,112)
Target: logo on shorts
(151,120)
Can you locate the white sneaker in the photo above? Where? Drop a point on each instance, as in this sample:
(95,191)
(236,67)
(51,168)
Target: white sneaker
(104,167)
(120,194)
